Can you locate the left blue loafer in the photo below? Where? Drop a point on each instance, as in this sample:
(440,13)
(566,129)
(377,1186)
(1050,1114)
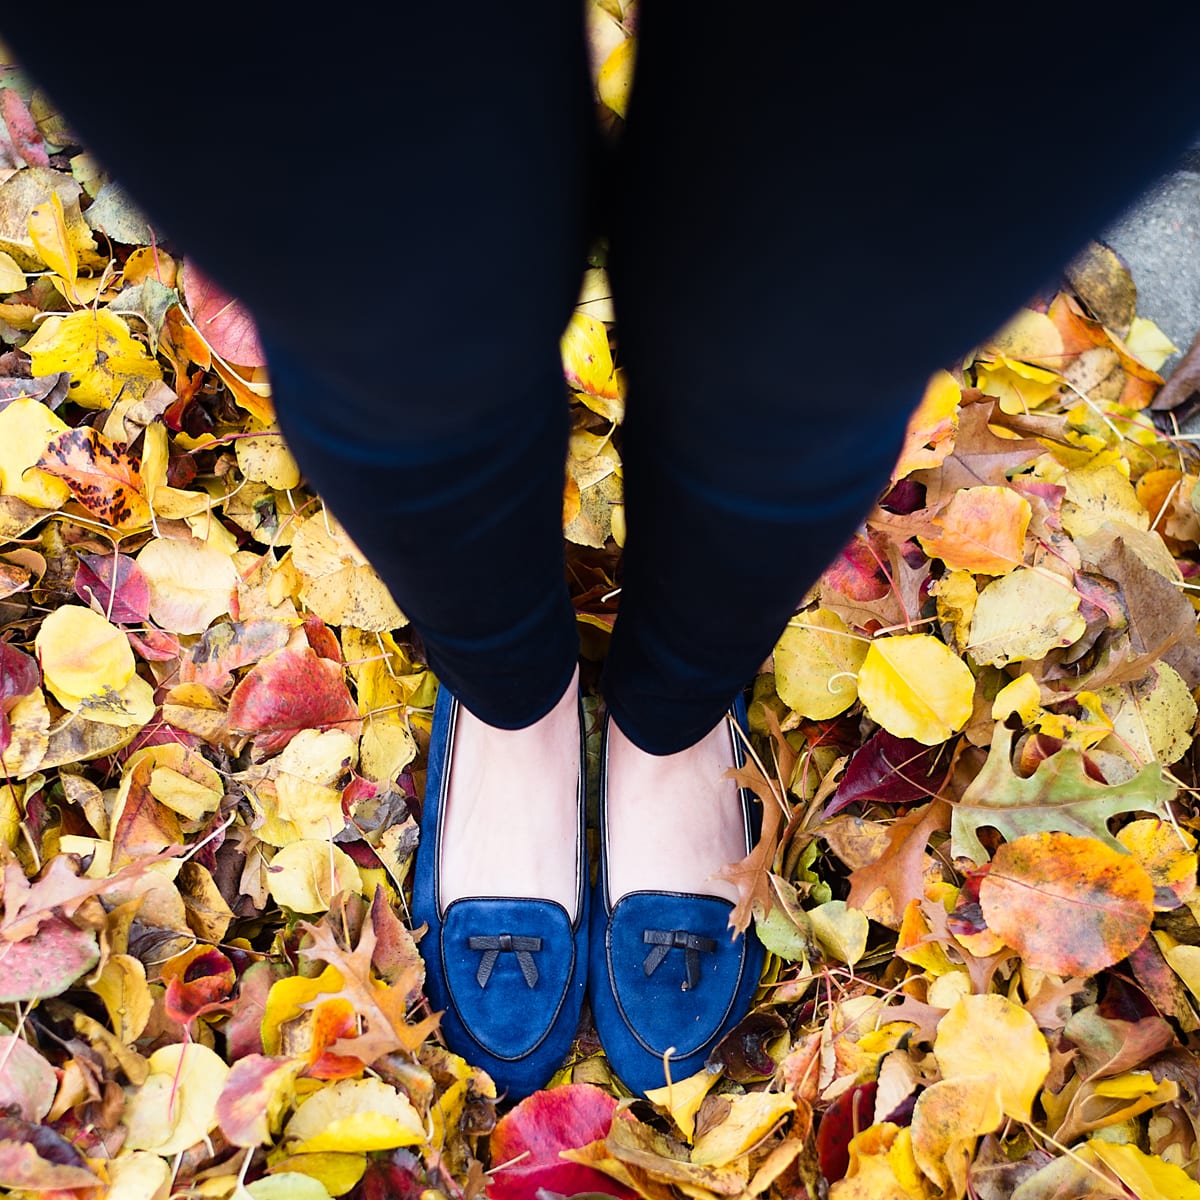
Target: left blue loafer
(667,981)
(508,973)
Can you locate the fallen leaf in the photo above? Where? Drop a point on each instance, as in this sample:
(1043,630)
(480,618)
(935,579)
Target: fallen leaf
(1024,615)
(990,1034)
(1059,796)
(1069,905)
(354,1116)
(982,530)
(916,687)
(225,323)
(816,661)
(290,690)
(526,1142)
(190,583)
(948,1117)
(177,1104)
(102,476)
(306,875)
(26,428)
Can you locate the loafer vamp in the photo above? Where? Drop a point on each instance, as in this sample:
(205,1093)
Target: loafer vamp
(508,966)
(672,968)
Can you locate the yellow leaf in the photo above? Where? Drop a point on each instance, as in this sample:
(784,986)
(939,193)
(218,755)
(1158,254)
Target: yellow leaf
(30,723)
(289,999)
(931,429)
(12,278)
(96,347)
(26,427)
(948,1117)
(587,361)
(287,1185)
(191,584)
(1025,614)
(1183,959)
(916,687)
(82,654)
(1145,341)
(138,1176)
(1098,493)
(1022,696)
(1030,337)
(267,460)
(337,1173)
(354,1116)
(340,586)
(122,987)
(914,943)
(682,1099)
(177,1105)
(48,232)
(1018,386)
(750,1118)
(305,876)
(957,596)
(181,779)
(130,707)
(882,1167)
(1146,1175)
(616,77)
(10,815)
(990,1034)
(983,530)
(1167,852)
(816,661)
(1153,718)
(841,930)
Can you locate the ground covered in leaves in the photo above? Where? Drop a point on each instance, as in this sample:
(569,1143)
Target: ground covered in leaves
(977,875)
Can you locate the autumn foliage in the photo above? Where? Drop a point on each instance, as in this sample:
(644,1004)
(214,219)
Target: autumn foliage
(977,875)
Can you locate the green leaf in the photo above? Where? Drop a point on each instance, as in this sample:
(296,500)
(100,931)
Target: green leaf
(1058,797)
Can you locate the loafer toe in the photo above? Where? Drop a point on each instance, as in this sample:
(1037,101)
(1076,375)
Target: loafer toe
(508,966)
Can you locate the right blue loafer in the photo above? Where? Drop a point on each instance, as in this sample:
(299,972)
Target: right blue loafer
(667,980)
(507,973)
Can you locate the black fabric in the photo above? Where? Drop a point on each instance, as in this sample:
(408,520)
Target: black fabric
(806,218)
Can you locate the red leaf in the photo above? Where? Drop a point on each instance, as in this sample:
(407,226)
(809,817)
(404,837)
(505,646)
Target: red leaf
(225,647)
(116,584)
(321,639)
(26,140)
(226,323)
(204,988)
(47,963)
(856,572)
(563,1118)
(19,676)
(37,1159)
(849,1114)
(291,690)
(890,770)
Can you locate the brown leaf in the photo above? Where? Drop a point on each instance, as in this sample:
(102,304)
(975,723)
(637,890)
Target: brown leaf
(751,876)
(384,1008)
(900,868)
(144,826)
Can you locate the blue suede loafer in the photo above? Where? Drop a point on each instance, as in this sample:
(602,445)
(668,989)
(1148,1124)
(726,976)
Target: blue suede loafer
(507,973)
(667,981)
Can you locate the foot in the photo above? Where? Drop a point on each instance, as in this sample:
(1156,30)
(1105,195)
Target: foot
(511,820)
(672,820)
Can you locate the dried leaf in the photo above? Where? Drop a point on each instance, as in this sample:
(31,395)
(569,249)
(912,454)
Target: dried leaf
(1069,905)
(102,476)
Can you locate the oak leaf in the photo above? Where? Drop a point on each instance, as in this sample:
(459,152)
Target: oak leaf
(1059,796)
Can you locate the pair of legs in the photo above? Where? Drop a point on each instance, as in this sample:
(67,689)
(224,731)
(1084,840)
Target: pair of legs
(803,223)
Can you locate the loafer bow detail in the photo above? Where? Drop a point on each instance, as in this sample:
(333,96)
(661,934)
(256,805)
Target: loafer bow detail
(524,948)
(664,941)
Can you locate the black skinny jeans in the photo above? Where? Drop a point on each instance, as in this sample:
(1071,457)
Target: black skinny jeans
(809,212)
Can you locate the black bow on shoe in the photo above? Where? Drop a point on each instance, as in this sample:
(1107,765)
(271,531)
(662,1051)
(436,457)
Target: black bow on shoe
(665,940)
(505,943)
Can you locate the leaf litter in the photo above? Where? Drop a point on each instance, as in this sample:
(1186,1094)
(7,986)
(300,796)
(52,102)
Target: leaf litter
(977,875)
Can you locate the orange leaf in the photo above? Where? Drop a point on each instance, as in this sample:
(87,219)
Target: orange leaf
(983,530)
(102,476)
(1069,905)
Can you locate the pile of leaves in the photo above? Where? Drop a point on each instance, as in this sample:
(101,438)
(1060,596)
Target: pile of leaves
(974,746)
